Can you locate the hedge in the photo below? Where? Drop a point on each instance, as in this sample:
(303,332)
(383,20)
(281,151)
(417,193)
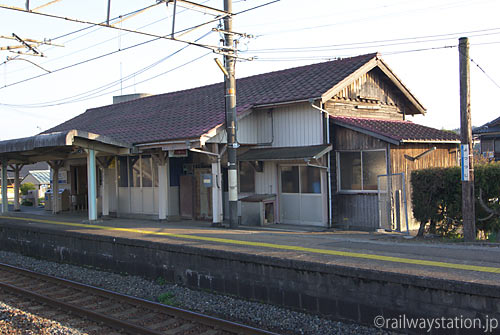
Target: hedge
(437,198)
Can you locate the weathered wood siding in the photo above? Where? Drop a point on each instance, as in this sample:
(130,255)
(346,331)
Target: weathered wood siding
(445,155)
(346,139)
(371,95)
(359,210)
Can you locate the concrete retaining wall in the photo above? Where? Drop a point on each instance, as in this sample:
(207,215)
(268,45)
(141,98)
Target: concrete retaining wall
(341,292)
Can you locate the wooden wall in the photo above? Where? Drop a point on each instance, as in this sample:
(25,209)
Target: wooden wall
(360,210)
(445,155)
(353,210)
(371,95)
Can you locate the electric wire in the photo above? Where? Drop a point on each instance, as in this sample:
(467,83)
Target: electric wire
(157,37)
(474,33)
(95,30)
(99,89)
(370,17)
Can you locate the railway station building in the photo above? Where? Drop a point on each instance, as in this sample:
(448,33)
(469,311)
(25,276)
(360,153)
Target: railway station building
(327,144)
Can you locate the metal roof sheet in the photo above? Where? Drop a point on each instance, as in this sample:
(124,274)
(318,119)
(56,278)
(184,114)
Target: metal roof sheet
(285,153)
(42,176)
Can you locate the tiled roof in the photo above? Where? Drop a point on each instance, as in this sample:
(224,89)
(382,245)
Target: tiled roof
(397,131)
(490,127)
(191,113)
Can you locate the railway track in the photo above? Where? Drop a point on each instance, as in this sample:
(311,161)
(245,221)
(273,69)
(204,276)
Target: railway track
(123,313)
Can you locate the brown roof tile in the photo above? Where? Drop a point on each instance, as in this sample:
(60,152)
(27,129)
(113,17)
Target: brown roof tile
(191,113)
(397,131)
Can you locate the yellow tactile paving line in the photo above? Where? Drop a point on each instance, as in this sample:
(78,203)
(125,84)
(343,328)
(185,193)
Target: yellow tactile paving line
(276,246)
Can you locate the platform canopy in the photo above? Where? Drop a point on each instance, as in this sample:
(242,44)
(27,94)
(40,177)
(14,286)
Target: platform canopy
(59,146)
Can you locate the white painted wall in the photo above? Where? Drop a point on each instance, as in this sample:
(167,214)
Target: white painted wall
(297,125)
(291,125)
(266,182)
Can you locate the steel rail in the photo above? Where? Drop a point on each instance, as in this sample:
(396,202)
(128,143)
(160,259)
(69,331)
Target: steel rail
(126,326)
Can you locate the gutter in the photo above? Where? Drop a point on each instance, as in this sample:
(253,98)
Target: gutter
(328,167)
(285,103)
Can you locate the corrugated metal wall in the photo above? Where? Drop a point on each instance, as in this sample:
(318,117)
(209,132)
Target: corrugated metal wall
(297,125)
(266,181)
(255,128)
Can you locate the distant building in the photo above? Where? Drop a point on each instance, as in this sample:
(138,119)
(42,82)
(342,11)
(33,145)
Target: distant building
(489,137)
(39,178)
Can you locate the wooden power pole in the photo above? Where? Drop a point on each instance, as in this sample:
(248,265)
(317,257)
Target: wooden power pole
(468,211)
(230,92)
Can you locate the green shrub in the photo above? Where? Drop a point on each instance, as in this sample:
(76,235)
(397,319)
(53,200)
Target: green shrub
(27,187)
(437,198)
(167,298)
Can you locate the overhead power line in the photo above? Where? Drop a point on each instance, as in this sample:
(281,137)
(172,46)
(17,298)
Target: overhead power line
(99,90)
(390,42)
(167,37)
(96,29)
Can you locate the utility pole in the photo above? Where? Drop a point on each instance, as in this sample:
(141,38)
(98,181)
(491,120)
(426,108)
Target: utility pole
(230,92)
(468,211)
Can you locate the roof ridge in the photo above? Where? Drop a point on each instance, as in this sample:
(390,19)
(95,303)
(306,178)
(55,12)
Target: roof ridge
(338,59)
(372,119)
(165,94)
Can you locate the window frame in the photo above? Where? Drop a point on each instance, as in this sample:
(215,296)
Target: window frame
(339,173)
(299,166)
(254,178)
(139,161)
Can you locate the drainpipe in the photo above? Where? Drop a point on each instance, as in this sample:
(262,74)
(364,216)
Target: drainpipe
(328,171)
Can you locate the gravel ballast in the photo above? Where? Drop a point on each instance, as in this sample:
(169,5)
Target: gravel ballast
(274,318)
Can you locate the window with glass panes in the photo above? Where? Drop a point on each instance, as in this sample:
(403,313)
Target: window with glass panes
(358,170)
(137,171)
(300,179)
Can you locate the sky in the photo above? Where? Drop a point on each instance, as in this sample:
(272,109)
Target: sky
(87,65)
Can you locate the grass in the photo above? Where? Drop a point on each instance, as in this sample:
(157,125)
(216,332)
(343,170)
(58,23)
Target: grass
(167,298)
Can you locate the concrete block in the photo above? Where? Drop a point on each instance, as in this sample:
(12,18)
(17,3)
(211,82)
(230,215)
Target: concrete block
(327,306)
(308,302)
(217,284)
(192,279)
(291,299)
(231,286)
(367,313)
(205,282)
(260,293)
(348,310)
(275,296)
(245,290)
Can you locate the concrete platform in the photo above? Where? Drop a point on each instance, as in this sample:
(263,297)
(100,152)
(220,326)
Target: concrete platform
(391,252)
(349,275)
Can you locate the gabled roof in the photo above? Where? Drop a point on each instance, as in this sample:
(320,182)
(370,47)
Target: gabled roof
(42,176)
(487,128)
(397,132)
(191,113)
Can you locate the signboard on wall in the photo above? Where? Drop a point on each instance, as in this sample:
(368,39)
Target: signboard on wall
(178,153)
(464,162)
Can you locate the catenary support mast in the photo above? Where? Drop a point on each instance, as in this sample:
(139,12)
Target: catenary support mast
(230,92)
